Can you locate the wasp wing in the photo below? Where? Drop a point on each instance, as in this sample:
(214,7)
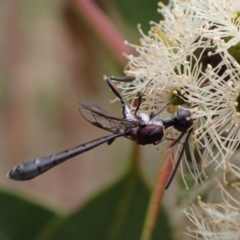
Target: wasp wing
(100,118)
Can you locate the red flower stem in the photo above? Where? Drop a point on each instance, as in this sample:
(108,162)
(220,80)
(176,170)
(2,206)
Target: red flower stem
(103,28)
(155,200)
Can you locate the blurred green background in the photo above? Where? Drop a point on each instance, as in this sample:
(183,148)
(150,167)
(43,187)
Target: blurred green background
(51,59)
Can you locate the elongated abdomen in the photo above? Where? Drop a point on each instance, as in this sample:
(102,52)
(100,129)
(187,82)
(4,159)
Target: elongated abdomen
(33,168)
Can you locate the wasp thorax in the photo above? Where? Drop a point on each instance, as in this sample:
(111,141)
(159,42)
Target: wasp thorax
(148,134)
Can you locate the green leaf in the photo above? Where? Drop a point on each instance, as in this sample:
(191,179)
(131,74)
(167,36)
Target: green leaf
(139,11)
(116,213)
(3,237)
(21,218)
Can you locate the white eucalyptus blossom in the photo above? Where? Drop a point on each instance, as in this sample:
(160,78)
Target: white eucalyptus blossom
(182,28)
(215,220)
(188,55)
(154,70)
(216,96)
(222,21)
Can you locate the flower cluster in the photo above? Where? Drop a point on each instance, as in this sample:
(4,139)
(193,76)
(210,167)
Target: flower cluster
(215,220)
(192,54)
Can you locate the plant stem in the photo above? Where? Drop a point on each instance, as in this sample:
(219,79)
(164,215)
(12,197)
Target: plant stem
(103,28)
(155,200)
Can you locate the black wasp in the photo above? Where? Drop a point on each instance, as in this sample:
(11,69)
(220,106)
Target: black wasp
(139,127)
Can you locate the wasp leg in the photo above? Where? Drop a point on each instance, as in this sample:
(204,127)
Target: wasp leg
(123,78)
(175,141)
(125,110)
(178,139)
(179,160)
